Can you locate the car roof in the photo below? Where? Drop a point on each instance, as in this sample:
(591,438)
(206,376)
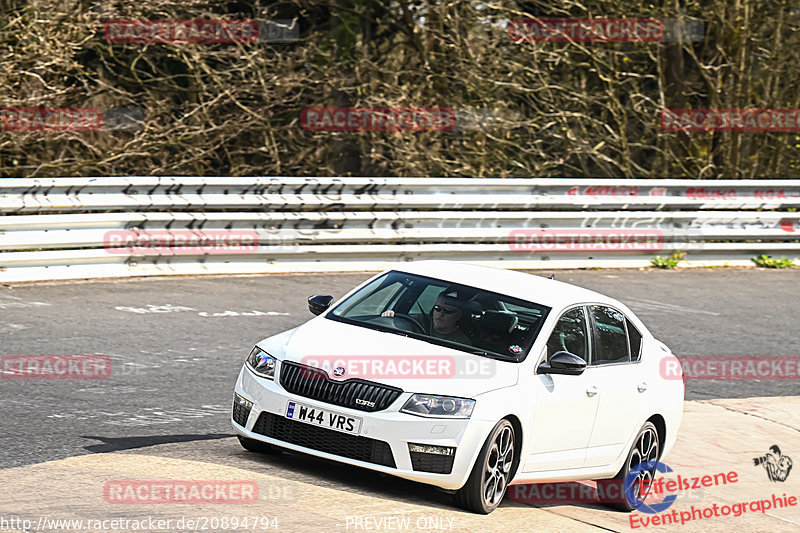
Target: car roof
(537,289)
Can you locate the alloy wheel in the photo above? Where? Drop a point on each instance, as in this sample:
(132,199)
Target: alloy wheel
(498,467)
(645,451)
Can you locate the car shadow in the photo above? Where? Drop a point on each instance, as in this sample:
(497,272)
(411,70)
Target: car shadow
(547,495)
(112,444)
(224,449)
(332,474)
(339,476)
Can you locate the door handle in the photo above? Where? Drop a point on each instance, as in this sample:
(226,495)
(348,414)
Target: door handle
(642,386)
(591,391)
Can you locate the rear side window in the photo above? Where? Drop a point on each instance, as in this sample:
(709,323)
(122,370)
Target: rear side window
(612,339)
(635,339)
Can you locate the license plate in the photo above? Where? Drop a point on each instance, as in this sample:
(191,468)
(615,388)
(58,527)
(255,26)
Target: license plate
(323,418)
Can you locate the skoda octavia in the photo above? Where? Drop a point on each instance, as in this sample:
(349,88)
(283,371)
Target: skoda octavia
(468,378)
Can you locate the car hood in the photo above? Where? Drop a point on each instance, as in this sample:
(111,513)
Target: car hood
(410,364)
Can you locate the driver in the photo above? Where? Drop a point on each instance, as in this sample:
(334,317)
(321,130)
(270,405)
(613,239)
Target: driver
(446,316)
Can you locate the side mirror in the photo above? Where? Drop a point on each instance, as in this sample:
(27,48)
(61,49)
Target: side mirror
(563,363)
(319,303)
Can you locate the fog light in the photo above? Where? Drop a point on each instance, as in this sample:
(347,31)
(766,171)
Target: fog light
(241,410)
(247,404)
(427,448)
(433,459)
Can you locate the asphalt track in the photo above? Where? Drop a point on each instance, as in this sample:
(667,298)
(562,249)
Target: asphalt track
(177,344)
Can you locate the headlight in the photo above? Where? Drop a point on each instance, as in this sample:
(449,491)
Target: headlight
(438,406)
(261,363)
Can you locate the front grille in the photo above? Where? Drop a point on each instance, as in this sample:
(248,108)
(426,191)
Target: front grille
(314,383)
(240,414)
(430,462)
(325,440)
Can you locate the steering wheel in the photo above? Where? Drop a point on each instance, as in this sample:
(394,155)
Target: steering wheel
(413,321)
(563,338)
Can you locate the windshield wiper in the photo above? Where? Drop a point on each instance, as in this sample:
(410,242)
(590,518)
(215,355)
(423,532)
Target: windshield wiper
(369,325)
(384,329)
(492,355)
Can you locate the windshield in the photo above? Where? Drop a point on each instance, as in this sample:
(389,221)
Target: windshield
(448,314)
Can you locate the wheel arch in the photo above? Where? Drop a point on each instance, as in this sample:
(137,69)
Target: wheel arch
(517,425)
(466,496)
(661,430)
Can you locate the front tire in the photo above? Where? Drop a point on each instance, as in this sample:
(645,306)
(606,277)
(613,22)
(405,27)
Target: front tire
(489,479)
(256,446)
(646,447)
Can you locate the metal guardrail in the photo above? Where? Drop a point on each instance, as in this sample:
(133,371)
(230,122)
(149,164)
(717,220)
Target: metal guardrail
(273,229)
(62,228)
(313,194)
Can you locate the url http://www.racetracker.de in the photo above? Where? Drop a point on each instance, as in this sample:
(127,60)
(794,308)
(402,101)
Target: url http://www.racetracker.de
(194,523)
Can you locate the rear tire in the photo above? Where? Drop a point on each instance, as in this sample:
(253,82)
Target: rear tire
(646,447)
(256,446)
(487,484)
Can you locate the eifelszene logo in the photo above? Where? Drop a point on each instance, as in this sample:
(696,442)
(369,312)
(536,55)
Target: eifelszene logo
(777,465)
(641,477)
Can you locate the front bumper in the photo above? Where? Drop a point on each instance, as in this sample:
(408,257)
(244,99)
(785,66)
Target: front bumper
(382,440)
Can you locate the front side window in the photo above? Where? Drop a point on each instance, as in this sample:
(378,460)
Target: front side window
(375,301)
(453,315)
(570,335)
(427,299)
(612,340)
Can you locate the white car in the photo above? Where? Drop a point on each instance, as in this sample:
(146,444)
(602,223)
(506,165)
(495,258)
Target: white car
(468,378)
